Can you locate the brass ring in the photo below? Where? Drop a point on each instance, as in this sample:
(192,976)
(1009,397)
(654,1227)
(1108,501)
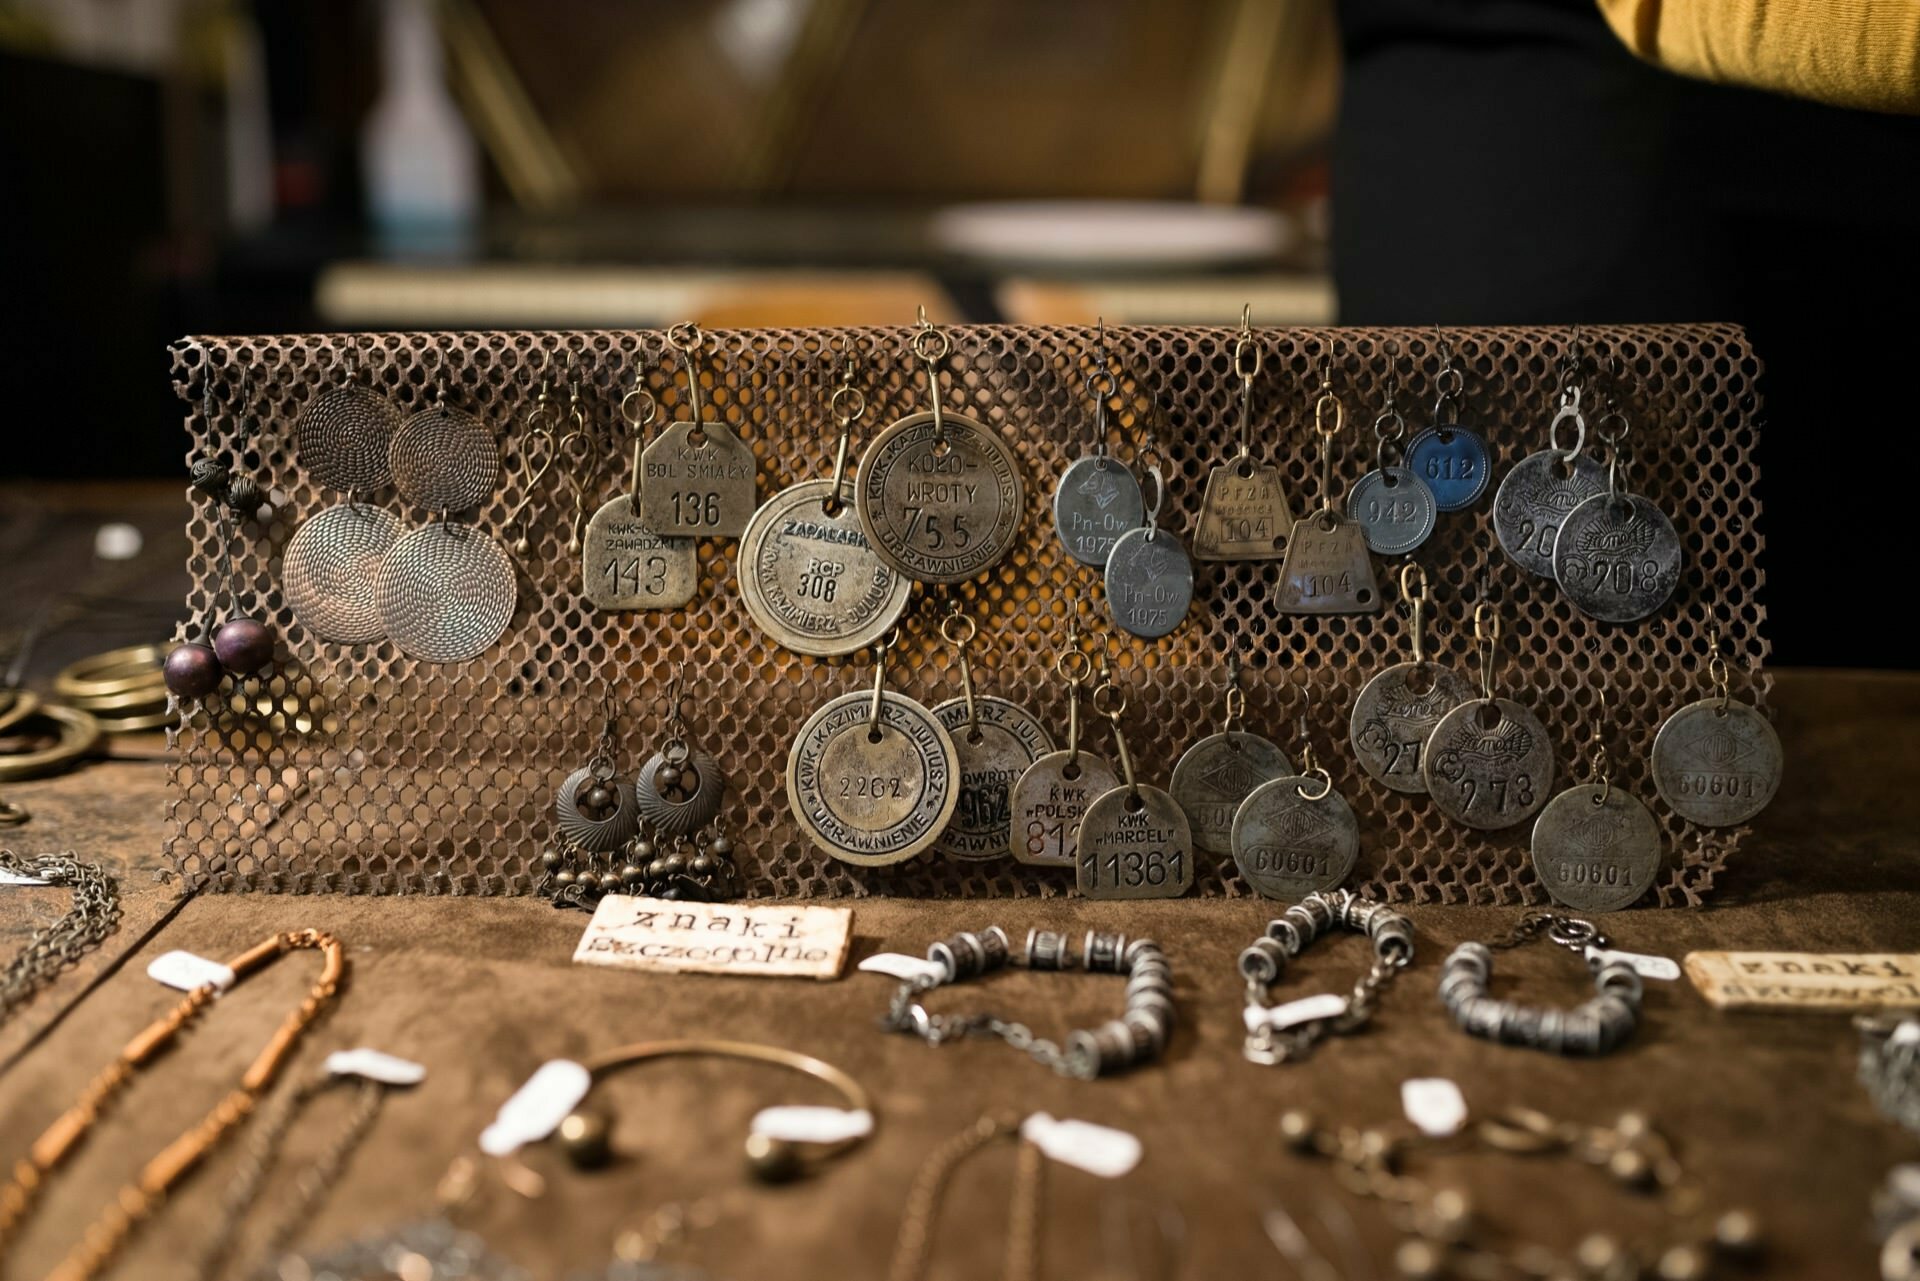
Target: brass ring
(1114,695)
(14,815)
(1074,666)
(972,629)
(113,672)
(686,337)
(924,344)
(1320,405)
(626,412)
(1326,785)
(20,704)
(79,735)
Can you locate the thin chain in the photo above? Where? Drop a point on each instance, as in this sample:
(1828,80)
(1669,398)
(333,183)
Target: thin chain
(92,919)
(905,1012)
(1569,932)
(914,1245)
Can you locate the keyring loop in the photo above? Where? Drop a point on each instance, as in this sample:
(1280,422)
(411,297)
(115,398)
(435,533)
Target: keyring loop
(686,337)
(626,408)
(1380,431)
(1413,583)
(1075,666)
(957,617)
(1101,383)
(1247,370)
(1326,785)
(1110,693)
(931,344)
(1320,405)
(1569,408)
(847,405)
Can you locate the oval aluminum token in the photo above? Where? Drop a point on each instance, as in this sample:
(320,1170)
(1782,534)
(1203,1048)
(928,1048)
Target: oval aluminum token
(1717,765)
(697,481)
(1291,837)
(1394,717)
(1453,462)
(1098,500)
(1149,583)
(993,754)
(446,593)
(940,515)
(872,796)
(1617,557)
(1534,497)
(1395,509)
(810,578)
(1596,848)
(1489,764)
(1049,801)
(625,565)
(330,568)
(1244,514)
(1135,846)
(1215,775)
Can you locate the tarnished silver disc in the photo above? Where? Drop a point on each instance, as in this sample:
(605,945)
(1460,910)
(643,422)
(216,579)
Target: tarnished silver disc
(1717,766)
(1294,835)
(1489,764)
(1596,848)
(1098,500)
(446,593)
(993,755)
(1135,846)
(872,797)
(1327,569)
(1394,716)
(1243,513)
(810,578)
(1535,496)
(1049,801)
(330,568)
(1617,557)
(940,515)
(692,799)
(342,438)
(625,565)
(445,460)
(608,832)
(1149,582)
(1394,509)
(698,482)
(1217,773)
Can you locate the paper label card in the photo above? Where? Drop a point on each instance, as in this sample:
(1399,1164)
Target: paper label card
(536,1107)
(1837,981)
(1664,968)
(1434,1104)
(755,939)
(185,971)
(1097,1149)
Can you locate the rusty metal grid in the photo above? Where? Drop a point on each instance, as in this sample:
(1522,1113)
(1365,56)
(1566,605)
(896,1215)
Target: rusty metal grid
(359,769)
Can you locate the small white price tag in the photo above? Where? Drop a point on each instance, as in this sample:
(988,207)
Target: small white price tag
(375,1066)
(812,1124)
(1664,968)
(1434,1104)
(1327,1005)
(536,1107)
(16,878)
(901,966)
(1097,1149)
(1906,1034)
(186,971)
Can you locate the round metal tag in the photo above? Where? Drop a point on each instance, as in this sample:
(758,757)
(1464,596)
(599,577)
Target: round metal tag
(1295,835)
(1215,775)
(1048,803)
(1534,497)
(687,803)
(1135,846)
(940,514)
(1394,716)
(445,460)
(872,796)
(1489,764)
(697,481)
(1717,765)
(600,824)
(1453,462)
(993,755)
(810,578)
(330,567)
(1395,509)
(625,565)
(1149,582)
(1098,500)
(1617,557)
(342,439)
(1596,848)
(446,593)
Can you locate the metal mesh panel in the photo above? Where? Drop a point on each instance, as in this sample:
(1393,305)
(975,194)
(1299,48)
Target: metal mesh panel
(359,769)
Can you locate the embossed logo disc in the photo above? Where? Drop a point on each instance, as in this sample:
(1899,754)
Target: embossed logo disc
(1394,716)
(1394,508)
(1617,557)
(1289,840)
(1217,773)
(940,515)
(1097,501)
(993,755)
(1717,767)
(1327,570)
(1149,583)
(872,797)
(1135,848)
(1453,462)
(1535,497)
(1050,800)
(1489,764)
(1595,848)
(811,579)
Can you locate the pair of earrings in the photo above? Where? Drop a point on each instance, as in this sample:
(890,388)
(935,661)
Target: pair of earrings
(241,645)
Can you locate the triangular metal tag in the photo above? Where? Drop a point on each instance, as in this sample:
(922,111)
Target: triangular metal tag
(1243,514)
(1327,569)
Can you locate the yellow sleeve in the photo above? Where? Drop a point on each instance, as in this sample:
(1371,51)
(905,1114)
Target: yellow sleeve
(1847,53)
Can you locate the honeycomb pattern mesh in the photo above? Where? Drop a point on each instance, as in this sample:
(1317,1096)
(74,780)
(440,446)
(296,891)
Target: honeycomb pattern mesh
(359,769)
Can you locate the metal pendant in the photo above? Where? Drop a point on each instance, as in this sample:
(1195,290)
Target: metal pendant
(1294,835)
(444,460)
(1535,496)
(1394,716)
(1617,557)
(1489,764)
(330,567)
(1135,845)
(1244,514)
(873,796)
(1327,570)
(596,809)
(1717,763)
(1215,775)
(1098,500)
(697,481)
(810,578)
(446,593)
(624,565)
(1596,848)
(342,439)
(680,789)
(1149,583)
(993,754)
(940,513)
(1394,508)
(1453,462)
(1049,801)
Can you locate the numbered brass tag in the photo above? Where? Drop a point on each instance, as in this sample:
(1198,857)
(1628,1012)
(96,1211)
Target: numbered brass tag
(1049,801)
(1717,762)
(1489,764)
(872,795)
(1327,569)
(1294,835)
(697,481)
(994,752)
(1596,848)
(1135,845)
(810,578)
(940,512)
(624,565)
(1215,775)
(1394,717)
(1243,514)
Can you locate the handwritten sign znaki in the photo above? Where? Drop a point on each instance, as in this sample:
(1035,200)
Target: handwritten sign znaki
(760,940)
(1836,981)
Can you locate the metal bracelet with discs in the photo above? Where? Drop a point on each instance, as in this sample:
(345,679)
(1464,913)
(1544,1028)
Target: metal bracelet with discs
(873,778)
(1592,1028)
(1489,762)
(808,575)
(1053,795)
(1617,555)
(699,479)
(1595,847)
(1452,460)
(1327,569)
(1393,506)
(1286,936)
(1149,580)
(940,495)
(1216,774)
(1296,834)
(624,565)
(996,741)
(1134,840)
(342,437)
(1098,498)
(1244,514)
(446,593)
(330,570)
(1396,711)
(1537,493)
(1717,762)
(680,788)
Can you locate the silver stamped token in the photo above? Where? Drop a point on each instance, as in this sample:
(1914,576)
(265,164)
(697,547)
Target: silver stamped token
(1149,583)
(1394,717)
(1098,500)
(1717,765)
(993,754)
(1327,569)
(1394,508)
(1243,513)
(1048,803)
(1617,557)
(1535,497)
(446,593)
(1215,775)
(810,578)
(1596,848)
(871,796)
(330,568)
(697,481)
(625,565)
(1295,835)
(940,515)
(1489,764)
(1135,846)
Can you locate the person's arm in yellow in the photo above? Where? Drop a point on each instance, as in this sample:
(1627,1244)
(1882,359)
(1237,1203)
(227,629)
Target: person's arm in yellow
(1847,53)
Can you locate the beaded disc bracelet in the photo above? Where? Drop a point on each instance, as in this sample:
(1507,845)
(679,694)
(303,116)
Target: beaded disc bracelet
(1287,935)
(1592,1028)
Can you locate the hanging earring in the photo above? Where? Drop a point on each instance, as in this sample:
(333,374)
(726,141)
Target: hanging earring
(1052,795)
(1217,773)
(1393,505)
(1452,459)
(1537,493)
(1717,762)
(1134,839)
(537,458)
(1394,715)
(1149,580)
(596,820)
(1327,569)
(996,740)
(1295,834)
(1489,762)
(624,564)
(1243,511)
(1098,498)
(680,787)
(241,644)
(1596,848)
